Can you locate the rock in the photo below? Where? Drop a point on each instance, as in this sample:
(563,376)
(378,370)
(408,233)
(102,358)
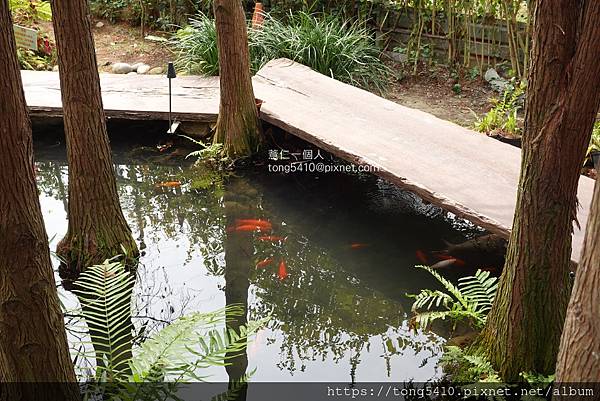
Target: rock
(132,73)
(143,68)
(135,66)
(397,57)
(155,71)
(55,68)
(99,24)
(196,130)
(121,68)
(497,83)
(491,74)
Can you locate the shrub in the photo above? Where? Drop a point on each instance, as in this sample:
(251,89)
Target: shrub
(503,116)
(196,47)
(30,11)
(594,141)
(342,50)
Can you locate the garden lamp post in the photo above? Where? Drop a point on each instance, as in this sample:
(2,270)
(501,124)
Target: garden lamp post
(170,75)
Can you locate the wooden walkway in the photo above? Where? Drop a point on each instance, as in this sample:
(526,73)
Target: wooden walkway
(136,97)
(466,173)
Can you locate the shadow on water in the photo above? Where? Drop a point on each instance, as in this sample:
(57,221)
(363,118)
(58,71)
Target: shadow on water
(340,313)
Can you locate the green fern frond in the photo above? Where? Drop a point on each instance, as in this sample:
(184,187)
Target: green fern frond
(471,299)
(104,292)
(194,338)
(451,288)
(480,289)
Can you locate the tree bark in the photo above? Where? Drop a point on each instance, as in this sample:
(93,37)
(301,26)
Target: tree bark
(97,228)
(579,356)
(238,126)
(523,330)
(33,342)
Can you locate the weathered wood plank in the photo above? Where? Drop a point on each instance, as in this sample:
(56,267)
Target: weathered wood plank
(139,97)
(462,171)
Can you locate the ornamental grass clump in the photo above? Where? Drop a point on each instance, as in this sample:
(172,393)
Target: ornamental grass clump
(342,50)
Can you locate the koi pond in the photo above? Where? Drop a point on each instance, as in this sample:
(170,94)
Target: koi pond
(333,273)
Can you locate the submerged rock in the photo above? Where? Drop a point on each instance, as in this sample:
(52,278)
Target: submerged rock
(121,68)
(196,130)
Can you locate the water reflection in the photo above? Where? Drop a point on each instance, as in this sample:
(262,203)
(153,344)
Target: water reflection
(340,314)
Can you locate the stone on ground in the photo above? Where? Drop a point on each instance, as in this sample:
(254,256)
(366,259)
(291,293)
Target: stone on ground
(143,68)
(121,68)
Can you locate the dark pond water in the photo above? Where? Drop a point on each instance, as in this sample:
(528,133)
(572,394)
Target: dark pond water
(341,313)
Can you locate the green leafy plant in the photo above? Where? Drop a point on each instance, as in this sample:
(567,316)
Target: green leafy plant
(594,145)
(30,11)
(465,367)
(503,116)
(177,353)
(342,50)
(196,47)
(471,299)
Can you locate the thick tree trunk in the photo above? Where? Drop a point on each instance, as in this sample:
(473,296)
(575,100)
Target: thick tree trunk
(33,342)
(97,228)
(579,356)
(238,126)
(524,326)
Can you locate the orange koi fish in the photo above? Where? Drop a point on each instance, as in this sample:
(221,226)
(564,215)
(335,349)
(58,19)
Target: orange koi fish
(446,263)
(421,256)
(264,263)
(358,246)
(458,262)
(246,228)
(254,222)
(168,184)
(282,274)
(272,238)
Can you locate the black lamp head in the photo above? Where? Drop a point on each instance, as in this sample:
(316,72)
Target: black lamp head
(171,71)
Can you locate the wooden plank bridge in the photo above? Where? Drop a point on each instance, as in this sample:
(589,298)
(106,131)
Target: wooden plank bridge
(466,173)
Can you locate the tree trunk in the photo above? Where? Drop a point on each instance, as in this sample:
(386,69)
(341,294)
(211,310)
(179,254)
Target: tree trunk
(238,127)
(97,228)
(524,326)
(33,342)
(579,356)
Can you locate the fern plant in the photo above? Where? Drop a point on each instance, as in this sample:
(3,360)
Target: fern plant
(465,367)
(177,353)
(471,299)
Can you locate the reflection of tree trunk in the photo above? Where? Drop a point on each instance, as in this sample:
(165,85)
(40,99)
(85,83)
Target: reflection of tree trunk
(240,202)
(33,342)
(62,193)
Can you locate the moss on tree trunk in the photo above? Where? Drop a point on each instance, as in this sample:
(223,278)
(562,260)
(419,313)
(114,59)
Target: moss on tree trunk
(238,126)
(523,329)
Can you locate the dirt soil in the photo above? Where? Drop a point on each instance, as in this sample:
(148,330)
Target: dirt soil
(121,42)
(431,90)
